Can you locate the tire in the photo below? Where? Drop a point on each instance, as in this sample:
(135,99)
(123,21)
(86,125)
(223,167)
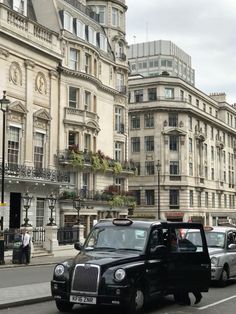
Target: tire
(223,278)
(137,302)
(64,306)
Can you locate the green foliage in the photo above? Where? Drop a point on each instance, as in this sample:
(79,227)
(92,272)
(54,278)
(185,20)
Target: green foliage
(104,164)
(67,194)
(122,200)
(96,164)
(77,159)
(117,201)
(117,167)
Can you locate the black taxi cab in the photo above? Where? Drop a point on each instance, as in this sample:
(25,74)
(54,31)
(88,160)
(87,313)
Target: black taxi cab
(126,263)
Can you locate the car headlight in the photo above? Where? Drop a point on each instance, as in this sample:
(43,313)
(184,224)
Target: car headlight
(59,270)
(120,274)
(214,261)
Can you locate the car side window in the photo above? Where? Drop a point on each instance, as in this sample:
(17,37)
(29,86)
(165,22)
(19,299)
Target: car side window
(156,238)
(231,238)
(185,241)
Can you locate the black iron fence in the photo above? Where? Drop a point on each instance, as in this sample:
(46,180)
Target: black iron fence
(26,172)
(38,235)
(65,235)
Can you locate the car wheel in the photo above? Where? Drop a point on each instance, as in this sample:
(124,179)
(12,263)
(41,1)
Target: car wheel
(137,302)
(223,278)
(64,306)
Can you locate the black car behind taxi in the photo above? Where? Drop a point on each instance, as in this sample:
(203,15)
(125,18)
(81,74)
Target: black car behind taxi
(126,263)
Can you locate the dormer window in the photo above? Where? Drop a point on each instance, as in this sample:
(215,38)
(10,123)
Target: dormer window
(92,36)
(68,22)
(103,42)
(20,6)
(80,29)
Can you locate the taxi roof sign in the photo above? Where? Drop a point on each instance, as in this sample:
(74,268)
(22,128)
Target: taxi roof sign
(122,221)
(208,228)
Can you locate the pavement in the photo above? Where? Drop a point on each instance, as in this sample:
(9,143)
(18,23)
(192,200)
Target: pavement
(30,293)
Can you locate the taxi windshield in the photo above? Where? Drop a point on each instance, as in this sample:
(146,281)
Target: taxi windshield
(116,238)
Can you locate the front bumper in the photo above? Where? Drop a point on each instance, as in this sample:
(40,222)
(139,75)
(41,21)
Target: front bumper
(216,272)
(113,295)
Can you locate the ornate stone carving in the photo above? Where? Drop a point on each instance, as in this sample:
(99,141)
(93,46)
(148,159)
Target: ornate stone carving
(41,83)
(15,73)
(4,53)
(29,64)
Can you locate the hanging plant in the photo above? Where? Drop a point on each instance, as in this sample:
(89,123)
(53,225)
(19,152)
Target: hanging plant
(104,164)
(117,201)
(77,159)
(117,167)
(96,164)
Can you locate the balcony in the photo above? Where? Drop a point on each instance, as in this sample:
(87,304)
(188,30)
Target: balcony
(111,195)
(25,173)
(175,177)
(86,10)
(94,161)
(31,32)
(122,56)
(78,116)
(199,135)
(122,89)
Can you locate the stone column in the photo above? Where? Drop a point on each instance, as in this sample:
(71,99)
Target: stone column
(51,242)
(30,87)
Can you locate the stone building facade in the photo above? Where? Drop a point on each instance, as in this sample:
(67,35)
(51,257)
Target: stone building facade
(65,71)
(192,137)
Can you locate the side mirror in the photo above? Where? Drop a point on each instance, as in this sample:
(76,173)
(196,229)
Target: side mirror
(232,246)
(78,246)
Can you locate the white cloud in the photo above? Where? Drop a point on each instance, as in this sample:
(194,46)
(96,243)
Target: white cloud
(205,29)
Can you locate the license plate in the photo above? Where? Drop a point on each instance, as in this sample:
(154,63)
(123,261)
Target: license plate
(83,299)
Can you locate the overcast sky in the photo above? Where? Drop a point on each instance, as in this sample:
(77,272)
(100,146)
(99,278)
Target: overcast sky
(204,29)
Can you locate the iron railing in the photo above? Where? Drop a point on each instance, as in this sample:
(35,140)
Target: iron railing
(65,235)
(66,157)
(86,10)
(25,172)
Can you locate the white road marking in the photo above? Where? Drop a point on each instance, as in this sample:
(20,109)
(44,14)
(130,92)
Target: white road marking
(213,304)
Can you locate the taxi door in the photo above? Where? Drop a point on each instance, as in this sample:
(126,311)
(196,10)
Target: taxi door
(188,265)
(155,264)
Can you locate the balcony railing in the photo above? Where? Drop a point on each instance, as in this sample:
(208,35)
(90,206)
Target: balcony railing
(25,172)
(93,196)
(122,89)
(86,10)
(33,32)
(96,161)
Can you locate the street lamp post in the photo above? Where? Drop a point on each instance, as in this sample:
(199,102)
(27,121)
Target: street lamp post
(52,202)
(26,203)
(4,106)
(77,204)
(158,165)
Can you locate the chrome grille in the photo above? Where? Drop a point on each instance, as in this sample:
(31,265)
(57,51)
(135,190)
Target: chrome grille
(85,278)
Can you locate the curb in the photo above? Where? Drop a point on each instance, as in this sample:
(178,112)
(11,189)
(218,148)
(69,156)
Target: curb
(26,302)
(23,265)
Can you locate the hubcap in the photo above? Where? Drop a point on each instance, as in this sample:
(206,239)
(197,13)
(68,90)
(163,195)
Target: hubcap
(224,276)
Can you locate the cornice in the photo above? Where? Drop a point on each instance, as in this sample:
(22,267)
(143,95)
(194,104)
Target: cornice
(92,79)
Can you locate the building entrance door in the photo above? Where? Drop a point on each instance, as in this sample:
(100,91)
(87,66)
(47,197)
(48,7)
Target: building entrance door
(15,209)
